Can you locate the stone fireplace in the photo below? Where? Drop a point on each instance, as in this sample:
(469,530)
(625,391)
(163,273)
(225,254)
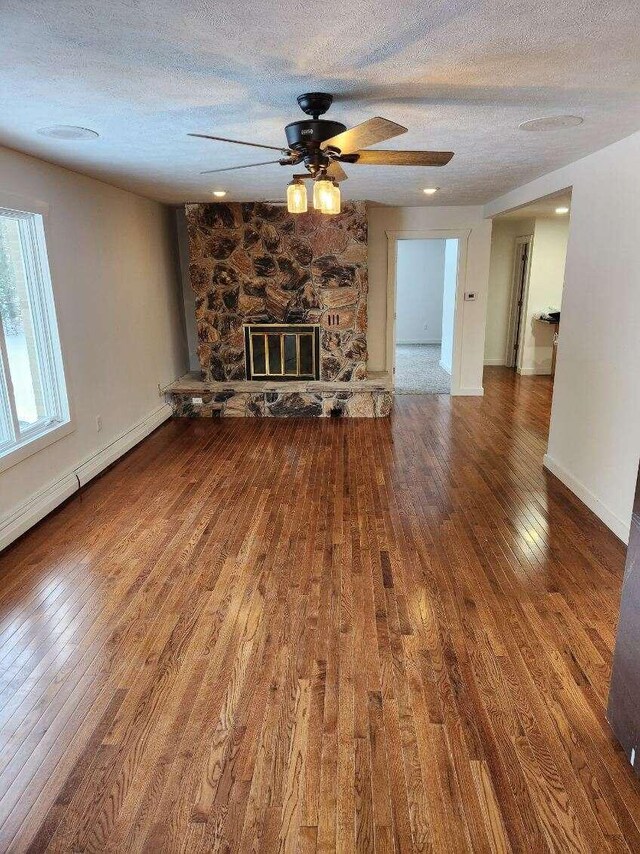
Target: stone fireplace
(258,264)
(281,310)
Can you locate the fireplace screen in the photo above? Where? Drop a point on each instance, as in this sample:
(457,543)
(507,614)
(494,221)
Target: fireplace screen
(283,352)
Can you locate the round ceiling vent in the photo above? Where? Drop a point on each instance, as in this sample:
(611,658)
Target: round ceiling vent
(551,123)
(68,132)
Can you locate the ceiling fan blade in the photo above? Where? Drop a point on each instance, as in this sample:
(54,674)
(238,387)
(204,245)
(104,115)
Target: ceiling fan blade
(239,142)
(404,158)
(336,171)
(233,168)
(368,133)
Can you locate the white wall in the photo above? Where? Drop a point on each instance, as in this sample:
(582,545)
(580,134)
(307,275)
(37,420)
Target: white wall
(594,435)
(503,238)
(474,277)
(188,294)
(115,284)
(546,279)
(420,282)
(449,303)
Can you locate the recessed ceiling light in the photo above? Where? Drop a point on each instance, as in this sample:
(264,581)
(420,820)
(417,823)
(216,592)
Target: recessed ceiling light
(429,191)
(562,210)
(219,193)
(68,132)
(551,123)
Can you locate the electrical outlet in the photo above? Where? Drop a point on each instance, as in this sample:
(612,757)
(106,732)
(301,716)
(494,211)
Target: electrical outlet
(197,401)
(470,296)
(98,423)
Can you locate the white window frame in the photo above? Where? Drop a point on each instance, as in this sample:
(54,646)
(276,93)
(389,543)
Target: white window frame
(31,222)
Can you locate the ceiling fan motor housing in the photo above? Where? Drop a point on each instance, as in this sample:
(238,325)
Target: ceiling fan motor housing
(310,133)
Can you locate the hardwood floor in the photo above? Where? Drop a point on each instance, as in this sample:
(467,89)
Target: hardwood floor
(318,635)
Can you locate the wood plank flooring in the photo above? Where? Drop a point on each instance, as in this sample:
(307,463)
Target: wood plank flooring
(318,635)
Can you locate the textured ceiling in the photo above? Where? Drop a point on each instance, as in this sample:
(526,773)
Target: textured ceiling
(461,74)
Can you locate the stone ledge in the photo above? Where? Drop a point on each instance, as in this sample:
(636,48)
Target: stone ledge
(282,403)
(192,384)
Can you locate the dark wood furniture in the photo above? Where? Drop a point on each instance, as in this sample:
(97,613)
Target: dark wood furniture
(555,324)
(624,697)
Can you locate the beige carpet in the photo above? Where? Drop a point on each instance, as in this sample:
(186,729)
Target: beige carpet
(418,370)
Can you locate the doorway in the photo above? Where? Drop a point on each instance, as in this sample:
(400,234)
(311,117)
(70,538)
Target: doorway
(519,284)
(526,280)
(426,270)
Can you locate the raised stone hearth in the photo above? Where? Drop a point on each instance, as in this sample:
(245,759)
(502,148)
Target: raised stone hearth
(192,397)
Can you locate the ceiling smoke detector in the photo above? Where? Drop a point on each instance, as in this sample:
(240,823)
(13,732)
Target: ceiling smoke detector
(551,123)
(68,132)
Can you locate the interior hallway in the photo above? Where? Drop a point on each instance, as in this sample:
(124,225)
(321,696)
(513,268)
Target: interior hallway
(391,633)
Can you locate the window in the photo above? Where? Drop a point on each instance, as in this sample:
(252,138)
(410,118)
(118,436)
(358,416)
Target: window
(33,398)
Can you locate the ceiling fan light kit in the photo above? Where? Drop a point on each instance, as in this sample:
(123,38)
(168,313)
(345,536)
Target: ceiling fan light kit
(322,145)
(326,195)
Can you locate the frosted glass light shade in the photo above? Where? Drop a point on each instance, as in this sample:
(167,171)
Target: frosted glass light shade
(296,197)
(322,194)
(332,205)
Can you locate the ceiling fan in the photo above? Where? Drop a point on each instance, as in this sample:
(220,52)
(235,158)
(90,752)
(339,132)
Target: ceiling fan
(322,145)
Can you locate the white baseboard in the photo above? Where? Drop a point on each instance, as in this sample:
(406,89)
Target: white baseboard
(96,463)
(534,372)
(444,367)
(494,362)
(620,529)
(467,392)
(418,343)
(15,523)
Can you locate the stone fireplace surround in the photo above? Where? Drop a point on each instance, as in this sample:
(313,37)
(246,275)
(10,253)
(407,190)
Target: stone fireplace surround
(258,264)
